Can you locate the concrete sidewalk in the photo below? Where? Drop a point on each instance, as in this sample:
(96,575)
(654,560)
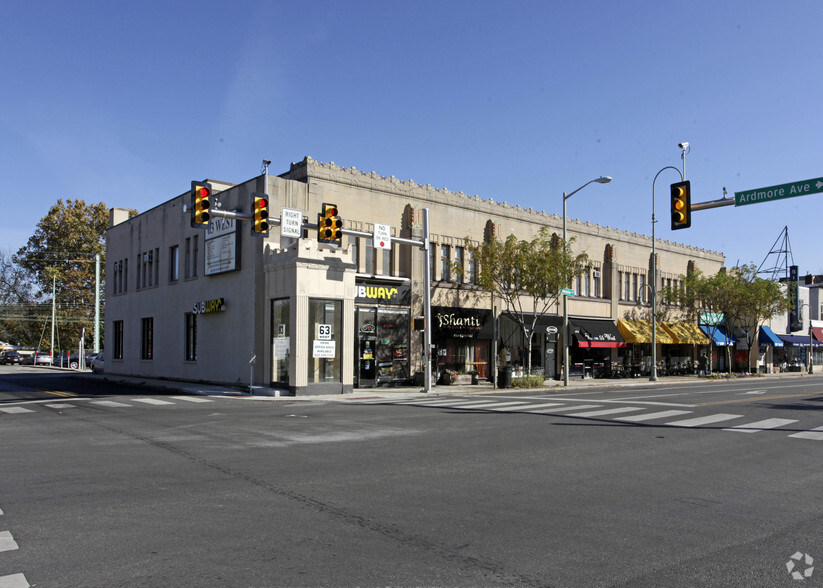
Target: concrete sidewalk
(262,392)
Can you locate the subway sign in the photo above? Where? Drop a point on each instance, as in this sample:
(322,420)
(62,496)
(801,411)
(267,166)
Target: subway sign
(209,306)
(393,294)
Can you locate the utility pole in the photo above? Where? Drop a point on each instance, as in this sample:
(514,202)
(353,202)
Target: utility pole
(97,303)
(53,312)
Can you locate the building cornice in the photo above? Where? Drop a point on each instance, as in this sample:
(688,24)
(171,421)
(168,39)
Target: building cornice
(310,168)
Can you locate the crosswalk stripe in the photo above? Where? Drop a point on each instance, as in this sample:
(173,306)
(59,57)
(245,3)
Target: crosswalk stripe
(489,404)
(14,581)
(14,409)
(531,407)
(7,542)
(111,403)
(705,420)
(606,411)
(154,401)
(813,434)
(192,398)
(61,405)
(565,408)
(439,401)
(761,425)
(639,418)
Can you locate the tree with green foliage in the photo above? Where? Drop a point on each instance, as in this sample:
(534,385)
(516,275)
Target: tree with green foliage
(18,303)
(750,301)
(527,276)
(744,300)
(62,251)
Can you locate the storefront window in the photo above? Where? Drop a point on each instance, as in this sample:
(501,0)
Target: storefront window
(280,336)
(325,345)
(392,345)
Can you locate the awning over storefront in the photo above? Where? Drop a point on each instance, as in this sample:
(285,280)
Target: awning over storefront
(767,337)
(686,333)
(718,333)
(641,332)
(596,333)
(799,340)
(818,333)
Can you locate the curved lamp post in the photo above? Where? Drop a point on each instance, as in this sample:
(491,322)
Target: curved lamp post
(600,180)
(653,376)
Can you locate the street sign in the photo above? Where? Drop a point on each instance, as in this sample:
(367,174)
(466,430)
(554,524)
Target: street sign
(382,236)
(567,291)
(291,223)
(804,188)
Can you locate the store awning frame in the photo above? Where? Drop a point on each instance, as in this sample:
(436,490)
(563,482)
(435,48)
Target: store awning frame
(768,337)
(799,340)
(686,333)
(638,331)
(596,333)
(719,335)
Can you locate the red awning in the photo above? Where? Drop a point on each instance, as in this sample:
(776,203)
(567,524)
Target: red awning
(818,333)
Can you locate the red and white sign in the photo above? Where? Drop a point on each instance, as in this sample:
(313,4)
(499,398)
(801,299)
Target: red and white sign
(382,236)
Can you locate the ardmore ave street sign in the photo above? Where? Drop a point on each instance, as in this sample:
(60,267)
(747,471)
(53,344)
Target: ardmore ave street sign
(771,193)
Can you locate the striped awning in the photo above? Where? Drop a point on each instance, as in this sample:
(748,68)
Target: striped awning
(635,331)
(686,333)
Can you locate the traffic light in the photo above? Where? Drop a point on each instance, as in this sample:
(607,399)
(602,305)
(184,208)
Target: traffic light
(260,215)
(200,204)
(329,225)
(681,205)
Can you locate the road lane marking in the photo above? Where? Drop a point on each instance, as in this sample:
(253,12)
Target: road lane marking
(758,399)
(813,434)
(705,420)
(111,403)
(14,581)
(565,408)
(638,418)
(761,425)
(490,404)
(14,409)
(624,401)
(60,393)
(605,411)
(154,401)
(532,407)
(61,405)
(7,542)
(192,398)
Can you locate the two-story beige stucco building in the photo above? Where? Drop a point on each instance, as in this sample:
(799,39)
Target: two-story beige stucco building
(223,305)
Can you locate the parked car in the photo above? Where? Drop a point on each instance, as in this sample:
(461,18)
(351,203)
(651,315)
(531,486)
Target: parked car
(68,359)
(97,364)
(89,357)
(11,357)
(38,358)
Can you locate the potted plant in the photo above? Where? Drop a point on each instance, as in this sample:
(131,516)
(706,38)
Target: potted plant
(449,377)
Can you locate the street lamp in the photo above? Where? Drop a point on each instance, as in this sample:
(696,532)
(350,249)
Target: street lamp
(653,377)
(600,180)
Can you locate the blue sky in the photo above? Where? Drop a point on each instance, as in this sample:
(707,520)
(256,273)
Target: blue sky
(126,103)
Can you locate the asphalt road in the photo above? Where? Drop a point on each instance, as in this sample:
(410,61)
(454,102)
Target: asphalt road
(641,486)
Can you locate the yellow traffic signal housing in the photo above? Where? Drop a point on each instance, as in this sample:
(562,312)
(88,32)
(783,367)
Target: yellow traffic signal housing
(681,205)
(260,215)
(200,204)
(329,225)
